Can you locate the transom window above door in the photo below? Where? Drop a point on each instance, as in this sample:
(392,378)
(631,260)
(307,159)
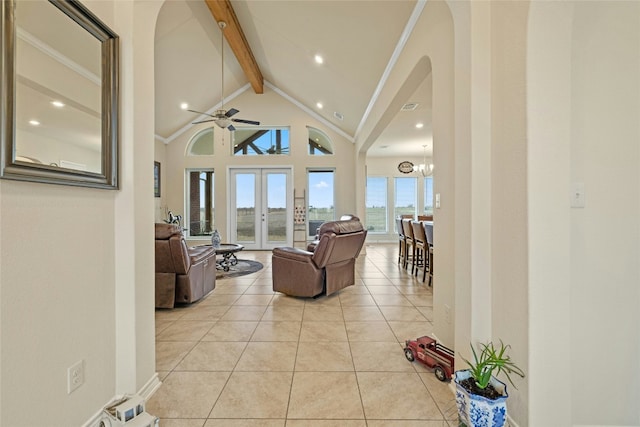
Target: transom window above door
(261,141)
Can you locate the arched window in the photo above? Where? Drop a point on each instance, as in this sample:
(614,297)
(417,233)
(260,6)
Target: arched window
(201,144)
(319,143)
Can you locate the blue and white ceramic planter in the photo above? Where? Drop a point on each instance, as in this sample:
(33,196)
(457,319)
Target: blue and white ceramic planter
(478,411)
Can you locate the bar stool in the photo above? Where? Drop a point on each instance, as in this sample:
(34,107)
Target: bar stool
(428,231)
(402,244)
(422,248)
(409,243)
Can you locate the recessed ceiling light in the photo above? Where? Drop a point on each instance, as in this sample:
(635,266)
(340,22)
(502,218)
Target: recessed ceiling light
(419,125)
(57,104)
(34,123)
(319,59)
(184,106)
(319,105)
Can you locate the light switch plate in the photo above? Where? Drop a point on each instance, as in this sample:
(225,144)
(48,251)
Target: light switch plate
(437,200)
(577,195)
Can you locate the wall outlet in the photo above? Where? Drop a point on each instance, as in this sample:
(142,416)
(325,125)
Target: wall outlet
(75,376)
(447,314)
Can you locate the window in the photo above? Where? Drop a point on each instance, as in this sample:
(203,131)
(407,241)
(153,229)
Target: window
(201,144)
(319,142)
(321,205)
(200,206)
(376,204)
(428,195)
(405,196)
(260,141)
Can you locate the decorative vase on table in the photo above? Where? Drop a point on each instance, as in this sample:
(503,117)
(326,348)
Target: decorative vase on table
(475,410)
(215,239)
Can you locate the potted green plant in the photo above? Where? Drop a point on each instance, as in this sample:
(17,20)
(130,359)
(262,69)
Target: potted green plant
(480,397)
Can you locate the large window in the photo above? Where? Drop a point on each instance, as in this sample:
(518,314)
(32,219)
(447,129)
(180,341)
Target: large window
(201,144)
(376,204)
(319,142)
(428,195)
(200,206)
(321,202)
(260,141)
(405,196)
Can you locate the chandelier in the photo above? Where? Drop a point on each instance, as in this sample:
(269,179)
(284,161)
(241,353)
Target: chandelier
(426,169)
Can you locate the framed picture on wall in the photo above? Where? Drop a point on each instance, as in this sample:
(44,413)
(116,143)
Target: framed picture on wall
(156,179)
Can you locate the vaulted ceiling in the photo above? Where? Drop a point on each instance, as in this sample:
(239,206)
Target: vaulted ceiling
(356,39)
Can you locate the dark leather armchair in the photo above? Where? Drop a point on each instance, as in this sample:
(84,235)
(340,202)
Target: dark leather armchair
(183,274)
(312,245)
(329,268)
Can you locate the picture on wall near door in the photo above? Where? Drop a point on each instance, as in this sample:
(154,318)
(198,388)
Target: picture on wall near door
(156,179)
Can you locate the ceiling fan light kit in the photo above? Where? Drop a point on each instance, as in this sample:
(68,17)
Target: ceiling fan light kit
(222,117)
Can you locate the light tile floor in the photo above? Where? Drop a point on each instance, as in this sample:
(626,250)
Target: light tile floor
(246,356)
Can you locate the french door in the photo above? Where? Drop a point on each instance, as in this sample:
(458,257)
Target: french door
(261,214)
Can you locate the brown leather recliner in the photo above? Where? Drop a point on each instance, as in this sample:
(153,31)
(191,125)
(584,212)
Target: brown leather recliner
(328,269)
(183,274)
(312,245)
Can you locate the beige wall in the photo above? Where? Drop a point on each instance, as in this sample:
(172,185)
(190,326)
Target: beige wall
(270,109)
(76,265)
(508,158)
(583,109)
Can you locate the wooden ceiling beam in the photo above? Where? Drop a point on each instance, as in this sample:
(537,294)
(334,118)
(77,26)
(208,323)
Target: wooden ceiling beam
(223,11)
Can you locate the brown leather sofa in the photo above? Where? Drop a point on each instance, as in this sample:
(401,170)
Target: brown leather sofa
(329,268)
(183,274)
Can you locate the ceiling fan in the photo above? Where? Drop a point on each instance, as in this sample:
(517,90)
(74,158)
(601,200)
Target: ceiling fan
(223,118)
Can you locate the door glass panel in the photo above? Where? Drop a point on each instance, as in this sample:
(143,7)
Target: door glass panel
(246,207)
(277,207)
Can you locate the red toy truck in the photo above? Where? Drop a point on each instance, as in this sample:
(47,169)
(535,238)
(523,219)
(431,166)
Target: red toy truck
(432,355)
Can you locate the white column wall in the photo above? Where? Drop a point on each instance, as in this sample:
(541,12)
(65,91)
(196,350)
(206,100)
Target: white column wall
(583,110)
(605,239)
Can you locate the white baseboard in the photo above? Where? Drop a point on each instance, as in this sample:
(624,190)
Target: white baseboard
(150,387)
(146,391)
(510,422)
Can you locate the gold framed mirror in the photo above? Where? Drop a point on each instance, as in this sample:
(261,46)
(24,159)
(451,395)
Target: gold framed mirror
(59,116)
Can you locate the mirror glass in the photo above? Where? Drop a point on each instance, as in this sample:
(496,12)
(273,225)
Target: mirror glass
(58,89)
(59,108)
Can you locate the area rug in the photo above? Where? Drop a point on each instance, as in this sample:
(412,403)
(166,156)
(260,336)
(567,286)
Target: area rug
(243,267)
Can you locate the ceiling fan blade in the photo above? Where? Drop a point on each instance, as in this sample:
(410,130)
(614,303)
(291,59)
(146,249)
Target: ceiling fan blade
(203,121)
(231,128)
(249,122)
(231,112)
(200,112)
